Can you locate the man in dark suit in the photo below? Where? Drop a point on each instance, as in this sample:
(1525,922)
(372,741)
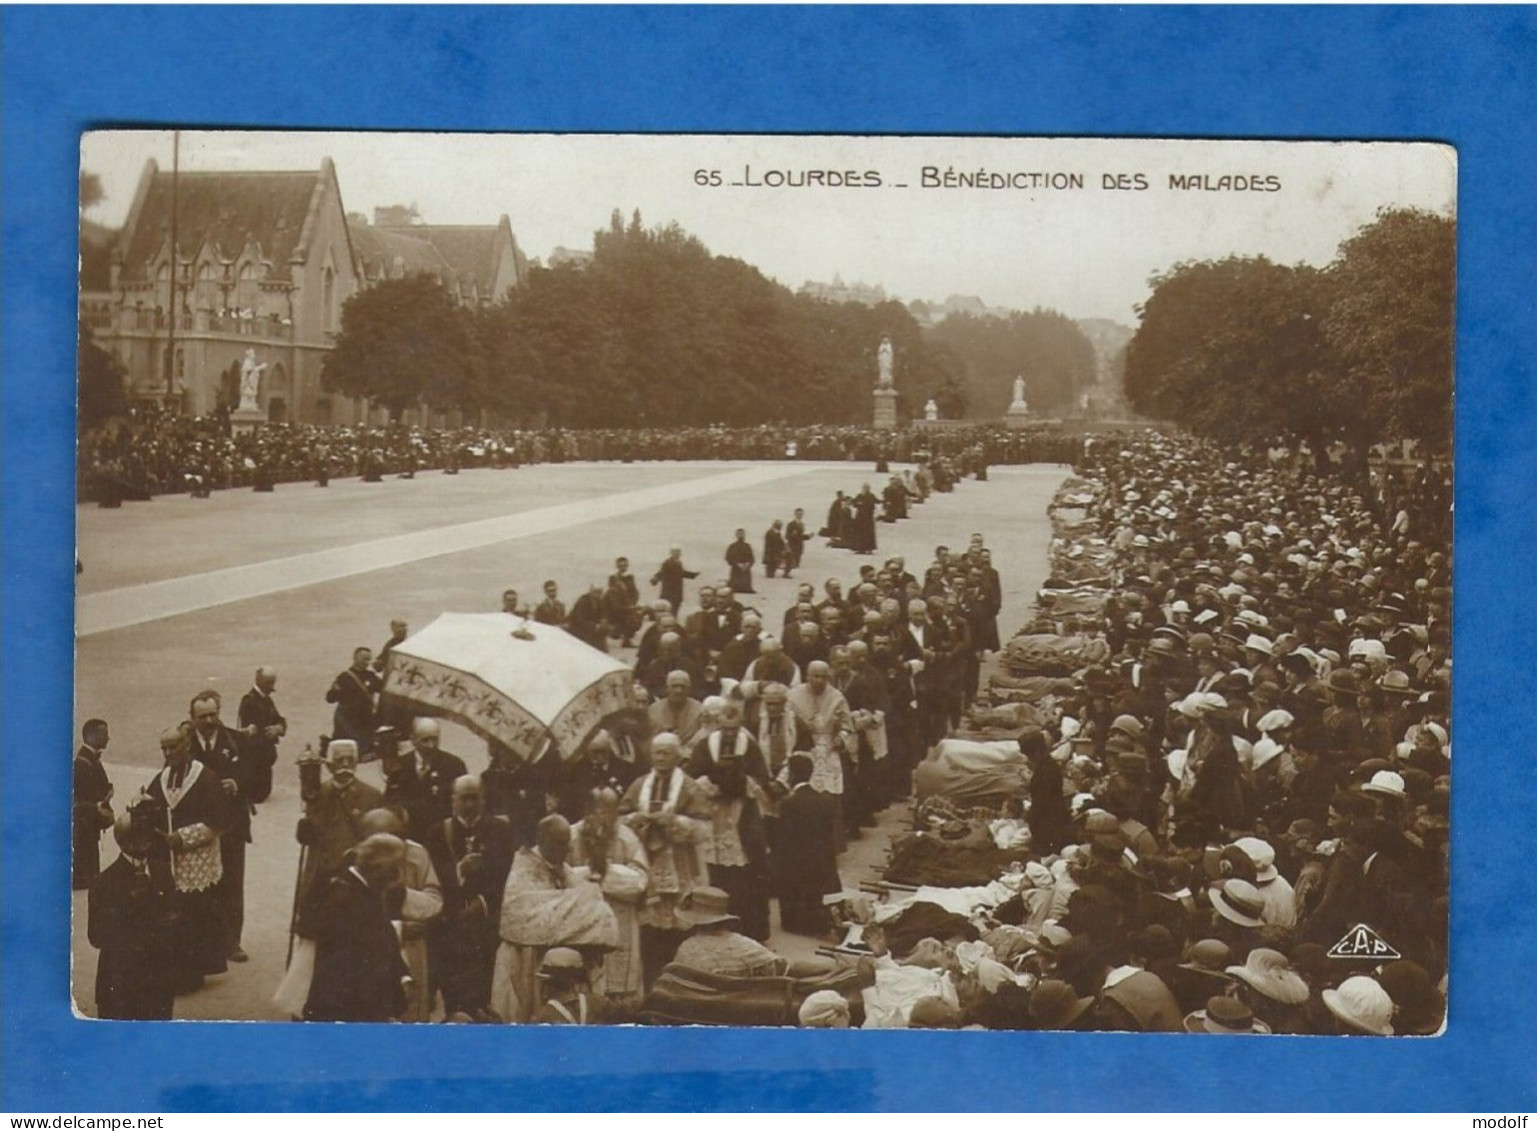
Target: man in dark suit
(355,693)
(129,921)
(599,767)
(92,804)
(471,853)
(670,575)
(709,629)
(359,972)
(923,648)
(245,776)
(741,650)
(551,610)
(807,854)
(795,541)
(741,560)
(421,780)
(262,725)
(622,604)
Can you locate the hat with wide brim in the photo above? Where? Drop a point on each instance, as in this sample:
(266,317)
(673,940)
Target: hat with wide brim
(561,961)
(1238,901)
(1363,1004)
(1225,1021)
(707,907)
(1056,1005)
(1210,957)
(1387,783)
(1268,972)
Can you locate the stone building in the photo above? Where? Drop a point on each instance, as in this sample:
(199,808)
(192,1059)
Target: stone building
(264,262)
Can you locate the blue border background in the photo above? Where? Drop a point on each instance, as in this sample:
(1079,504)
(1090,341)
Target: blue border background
(1460,76)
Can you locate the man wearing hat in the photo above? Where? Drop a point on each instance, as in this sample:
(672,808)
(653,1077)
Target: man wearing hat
(1055,1007)
(1280,909)
(716,946)
(1418,1008)
(1202,974)
(1225,1016)
(1239,910)
(567,999)
(1342,720)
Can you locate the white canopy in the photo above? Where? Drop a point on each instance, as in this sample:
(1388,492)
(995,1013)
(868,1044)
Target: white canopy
(512,680)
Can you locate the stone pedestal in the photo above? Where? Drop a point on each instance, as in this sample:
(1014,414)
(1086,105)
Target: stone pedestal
(244,420)
(885,408)
(1018,416)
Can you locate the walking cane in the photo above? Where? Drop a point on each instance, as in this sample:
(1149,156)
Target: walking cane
(309,789)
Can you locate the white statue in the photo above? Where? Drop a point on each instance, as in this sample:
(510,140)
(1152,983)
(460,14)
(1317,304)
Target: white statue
(883,357)
(931,410)
(250,382)
(1019,391)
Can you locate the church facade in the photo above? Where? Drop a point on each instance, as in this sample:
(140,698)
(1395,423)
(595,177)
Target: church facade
(264,262)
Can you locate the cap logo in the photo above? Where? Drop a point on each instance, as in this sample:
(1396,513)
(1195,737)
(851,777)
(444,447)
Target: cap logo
(1363,944)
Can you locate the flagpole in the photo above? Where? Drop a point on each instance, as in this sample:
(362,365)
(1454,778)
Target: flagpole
(170,342)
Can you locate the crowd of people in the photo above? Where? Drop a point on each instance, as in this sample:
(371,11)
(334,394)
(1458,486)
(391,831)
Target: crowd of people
(1230,812)
(751,755)
(1227,811)
(154,451)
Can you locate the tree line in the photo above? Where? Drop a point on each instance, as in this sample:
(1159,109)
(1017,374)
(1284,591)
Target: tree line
(653,331)
(1358,352)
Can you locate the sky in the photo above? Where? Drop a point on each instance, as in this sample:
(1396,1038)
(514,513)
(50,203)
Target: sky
(1072,228)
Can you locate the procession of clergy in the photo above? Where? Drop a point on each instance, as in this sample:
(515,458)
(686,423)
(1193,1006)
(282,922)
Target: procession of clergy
(1228,815)
(753,753)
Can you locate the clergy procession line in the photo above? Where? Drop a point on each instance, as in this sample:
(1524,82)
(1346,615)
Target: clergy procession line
(1205,786)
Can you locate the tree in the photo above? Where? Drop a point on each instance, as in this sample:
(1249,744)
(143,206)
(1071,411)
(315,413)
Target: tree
(1234,349)
(657,331)
(404,343)
(103,381)
(1390,322)
(91,192)
(1048,349)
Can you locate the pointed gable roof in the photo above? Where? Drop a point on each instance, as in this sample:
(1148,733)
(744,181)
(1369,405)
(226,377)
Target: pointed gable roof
(474,251)
(379,249)
(223,210)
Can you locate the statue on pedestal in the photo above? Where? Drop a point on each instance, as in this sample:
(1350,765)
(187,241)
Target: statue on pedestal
(1019,393)
(883,361)
(250,382)
(931,410)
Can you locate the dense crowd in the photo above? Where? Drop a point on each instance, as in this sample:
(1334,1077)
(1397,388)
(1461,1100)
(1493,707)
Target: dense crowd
(153,451)
(1228,810)
(1206,790)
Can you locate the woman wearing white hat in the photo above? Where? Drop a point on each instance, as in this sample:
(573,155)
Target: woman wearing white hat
(1277,993)
(1361,1007)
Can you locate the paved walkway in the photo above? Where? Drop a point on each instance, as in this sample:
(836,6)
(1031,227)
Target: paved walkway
(198,595)
(137,604)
